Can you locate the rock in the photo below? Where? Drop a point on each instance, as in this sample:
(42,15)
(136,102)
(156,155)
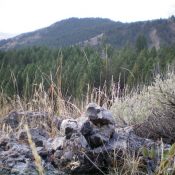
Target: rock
(58,154)
(3,143)
(77,141)
(87,145)
(87,128)
(4,171)
(100,136)
(99,115)
(39,136)
(56,158)
(57,143)
(17,118)
(16,158)
(68,126)
(42,152)
(67,156)
(99,128)
(12,120)
(50,170)
(22,168)
(97,136)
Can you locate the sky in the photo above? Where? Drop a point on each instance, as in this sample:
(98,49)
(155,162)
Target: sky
(19,16)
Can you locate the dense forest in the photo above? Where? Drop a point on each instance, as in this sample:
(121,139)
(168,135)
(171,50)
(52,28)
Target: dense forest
(74,68)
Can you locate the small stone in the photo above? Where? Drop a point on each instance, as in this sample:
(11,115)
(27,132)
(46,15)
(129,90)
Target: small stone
(3,143)
(67,156)
(57,143)
(42,152)
(58,154)
(68,126)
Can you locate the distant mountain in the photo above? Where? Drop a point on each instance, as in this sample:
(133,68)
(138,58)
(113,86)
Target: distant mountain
(6,35)
(158,33)
(93,31)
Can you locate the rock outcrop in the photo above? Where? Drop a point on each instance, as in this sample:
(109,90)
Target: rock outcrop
(89,144)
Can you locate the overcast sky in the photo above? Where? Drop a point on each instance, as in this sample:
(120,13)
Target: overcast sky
(18,16)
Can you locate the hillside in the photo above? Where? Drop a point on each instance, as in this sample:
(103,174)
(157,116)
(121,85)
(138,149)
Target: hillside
(63,33)
(157,32)
(85,31)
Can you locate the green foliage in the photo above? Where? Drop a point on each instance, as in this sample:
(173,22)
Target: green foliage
(151,154)
(141,43)
(167,162)
(77,68)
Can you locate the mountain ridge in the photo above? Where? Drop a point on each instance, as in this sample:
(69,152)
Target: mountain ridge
(75,31)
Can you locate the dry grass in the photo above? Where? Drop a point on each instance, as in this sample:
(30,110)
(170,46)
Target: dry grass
(6,104)
(157,100)
(36,156)
(132,165)
(138,106)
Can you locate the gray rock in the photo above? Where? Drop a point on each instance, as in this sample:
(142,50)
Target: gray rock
(67,156)
(87,128)
(99,115)
(50,170)
(34,119)
(39,136)
(68,126)
(77,141)
(57,143)
(4,170)
(58,154)
(85,145)
(43,152)
(100,135)
(17,159)
(12,120)
(3,143)
(21,168)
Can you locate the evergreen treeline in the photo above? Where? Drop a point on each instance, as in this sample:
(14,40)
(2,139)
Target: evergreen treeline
(75,67)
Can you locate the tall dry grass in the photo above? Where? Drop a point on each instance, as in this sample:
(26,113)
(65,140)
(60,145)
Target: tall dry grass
(129,109)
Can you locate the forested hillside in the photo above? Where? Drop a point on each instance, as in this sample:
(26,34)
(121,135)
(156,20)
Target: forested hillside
(74,68)
(76,31)
(64,33)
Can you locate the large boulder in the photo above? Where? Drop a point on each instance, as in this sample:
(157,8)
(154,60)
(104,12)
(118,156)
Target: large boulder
(89,143)
(99,115)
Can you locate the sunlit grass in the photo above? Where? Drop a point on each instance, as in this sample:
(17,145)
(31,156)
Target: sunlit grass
(137,106)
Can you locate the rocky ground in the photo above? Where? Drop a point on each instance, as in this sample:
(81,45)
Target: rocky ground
(92,143)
